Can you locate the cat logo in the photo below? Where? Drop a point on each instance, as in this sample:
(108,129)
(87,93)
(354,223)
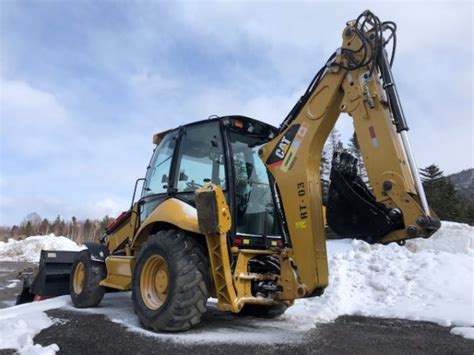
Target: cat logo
(282,148)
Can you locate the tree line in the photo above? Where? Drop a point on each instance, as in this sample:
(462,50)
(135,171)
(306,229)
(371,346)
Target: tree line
(78,230)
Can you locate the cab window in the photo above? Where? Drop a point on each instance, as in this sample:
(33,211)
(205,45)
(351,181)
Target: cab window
(201,157)
(158,173)
(255,209)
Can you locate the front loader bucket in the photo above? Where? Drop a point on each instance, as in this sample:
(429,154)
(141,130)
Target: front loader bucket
(52,278)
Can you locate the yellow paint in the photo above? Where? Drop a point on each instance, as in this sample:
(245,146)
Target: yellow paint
(119,272)
(173,211)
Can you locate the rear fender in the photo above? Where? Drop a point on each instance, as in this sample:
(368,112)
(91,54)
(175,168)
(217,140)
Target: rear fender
(97,251)
(171,212)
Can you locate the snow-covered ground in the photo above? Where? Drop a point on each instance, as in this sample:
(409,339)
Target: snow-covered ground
(431,280)
(428,279)
(29,249)
(19,325)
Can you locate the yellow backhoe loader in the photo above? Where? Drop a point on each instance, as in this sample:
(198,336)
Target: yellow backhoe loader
(232,207)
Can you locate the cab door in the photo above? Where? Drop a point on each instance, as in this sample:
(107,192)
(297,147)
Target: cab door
(158,175)
(200,160)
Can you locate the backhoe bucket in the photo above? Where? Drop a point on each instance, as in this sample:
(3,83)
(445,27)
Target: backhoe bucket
(52,278)
(352,210)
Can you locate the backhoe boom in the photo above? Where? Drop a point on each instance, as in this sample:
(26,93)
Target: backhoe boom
(357,80)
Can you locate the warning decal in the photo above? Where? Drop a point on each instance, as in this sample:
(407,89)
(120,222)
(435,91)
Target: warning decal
(281,149)
(290,158)
(373,137)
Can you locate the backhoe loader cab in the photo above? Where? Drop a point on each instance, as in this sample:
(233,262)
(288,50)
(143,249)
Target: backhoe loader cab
(232,207)
(222,151)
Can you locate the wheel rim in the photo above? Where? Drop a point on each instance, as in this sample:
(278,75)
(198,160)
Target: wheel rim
(154,282)
(79,277)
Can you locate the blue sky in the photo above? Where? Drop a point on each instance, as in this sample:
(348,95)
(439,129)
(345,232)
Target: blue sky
(84,85)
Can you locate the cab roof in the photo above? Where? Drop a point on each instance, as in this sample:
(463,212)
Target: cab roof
(158,137)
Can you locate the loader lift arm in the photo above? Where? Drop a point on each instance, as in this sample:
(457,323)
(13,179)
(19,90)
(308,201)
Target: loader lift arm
(357,80)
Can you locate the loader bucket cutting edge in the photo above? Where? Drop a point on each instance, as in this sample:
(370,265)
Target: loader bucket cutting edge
(52,278)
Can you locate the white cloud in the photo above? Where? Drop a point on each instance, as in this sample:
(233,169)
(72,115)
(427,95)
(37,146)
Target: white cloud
(32,120)
(23,104)
(110,206)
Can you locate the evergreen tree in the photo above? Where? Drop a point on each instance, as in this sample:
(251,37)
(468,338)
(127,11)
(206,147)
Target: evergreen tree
(73,227)
(431,174)
(35,222)
(440,193)
(55,226)
(104,223)
(45,226)
(354,148)
(333,145)
(28,229)
(469,214)
(324,169)
(62,229)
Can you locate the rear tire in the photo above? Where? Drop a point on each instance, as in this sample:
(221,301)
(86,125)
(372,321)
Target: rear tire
(262,311)
(171,282)
(84,281)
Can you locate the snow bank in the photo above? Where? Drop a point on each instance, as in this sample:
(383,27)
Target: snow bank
(29,249)
(430,280)
(20,324)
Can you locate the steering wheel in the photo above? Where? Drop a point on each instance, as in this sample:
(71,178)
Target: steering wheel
(192,185)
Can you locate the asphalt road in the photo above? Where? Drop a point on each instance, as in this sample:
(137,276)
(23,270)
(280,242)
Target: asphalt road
(78,333)
(91,333)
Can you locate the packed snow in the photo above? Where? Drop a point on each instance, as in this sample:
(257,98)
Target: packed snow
(29,249)
(20,324)
(429,280)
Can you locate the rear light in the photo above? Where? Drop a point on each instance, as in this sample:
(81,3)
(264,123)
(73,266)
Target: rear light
(40,298)
(238,124)
(237,242)
(276,243)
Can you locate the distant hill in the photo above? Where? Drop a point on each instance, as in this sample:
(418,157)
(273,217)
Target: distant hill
(464,184)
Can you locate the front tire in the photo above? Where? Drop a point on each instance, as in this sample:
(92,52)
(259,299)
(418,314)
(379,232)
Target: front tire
(170,284)
(84,281)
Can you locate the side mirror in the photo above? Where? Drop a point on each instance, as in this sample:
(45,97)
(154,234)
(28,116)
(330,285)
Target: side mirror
(183,176)
(164,178)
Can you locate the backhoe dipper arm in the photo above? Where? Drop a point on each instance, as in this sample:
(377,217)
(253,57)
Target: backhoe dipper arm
(357,80)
